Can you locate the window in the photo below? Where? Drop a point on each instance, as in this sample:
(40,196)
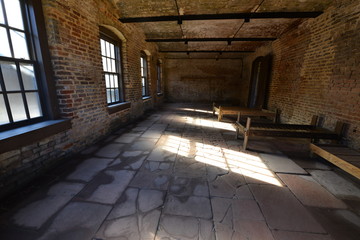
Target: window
(111,61)
(144,76)
(21,92)
(159,77)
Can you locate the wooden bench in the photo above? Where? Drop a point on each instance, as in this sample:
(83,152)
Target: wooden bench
(242,111)
(310,131)
(345,158)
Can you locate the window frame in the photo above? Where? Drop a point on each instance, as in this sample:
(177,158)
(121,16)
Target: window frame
(110,37)
(159,77)
(39,58)
(144,78)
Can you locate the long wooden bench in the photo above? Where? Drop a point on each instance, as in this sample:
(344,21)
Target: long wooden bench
(345,158)
(243,111)
(311,131)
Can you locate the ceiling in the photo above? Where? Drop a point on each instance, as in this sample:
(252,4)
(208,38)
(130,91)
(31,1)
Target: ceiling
(235,28)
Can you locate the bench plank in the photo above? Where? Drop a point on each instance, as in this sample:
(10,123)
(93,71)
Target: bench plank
(339,160)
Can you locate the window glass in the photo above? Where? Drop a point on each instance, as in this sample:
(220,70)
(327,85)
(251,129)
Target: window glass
(34,104)
(111,67)
(5,47)
(20,99)
(13,13)
(10,76)
(3,113)
(28,77)
(17,106)
(1,15)
(19,43)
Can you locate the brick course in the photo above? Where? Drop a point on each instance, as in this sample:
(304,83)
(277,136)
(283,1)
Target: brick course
(73,36)
(316,70)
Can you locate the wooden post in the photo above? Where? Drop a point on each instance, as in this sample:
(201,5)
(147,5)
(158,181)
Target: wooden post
(314,120)
(246,133)
(339,127)
(276,117)
(237,130)
(220,114)
(238,117)
(213,108)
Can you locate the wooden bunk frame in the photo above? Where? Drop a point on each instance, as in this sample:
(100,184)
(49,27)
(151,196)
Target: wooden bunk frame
(242,111)
(345,158)
(311,131)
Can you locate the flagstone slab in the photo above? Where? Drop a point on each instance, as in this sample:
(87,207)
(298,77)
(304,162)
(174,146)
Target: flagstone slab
(311,193)
(157,167)
(226,185)
(150,199)
(281,164)
(251,229)
(78,220)
(189,167)
(110,151)
(109,193)
(148,180)
(143,145)
(35,214)
(185,228)
(283,211)
(121,228)
(126,205)
(125,139)
(89,168)
(189,186)
(192,206)
(339,223)
(285,235)
(161,154)
(337,185)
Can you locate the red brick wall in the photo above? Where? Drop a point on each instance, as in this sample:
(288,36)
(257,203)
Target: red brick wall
(203,80)
(316,71)
(73,35)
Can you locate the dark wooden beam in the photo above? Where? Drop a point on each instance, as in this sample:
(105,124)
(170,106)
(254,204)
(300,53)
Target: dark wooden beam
(208,39)
(202,51)
(246,16)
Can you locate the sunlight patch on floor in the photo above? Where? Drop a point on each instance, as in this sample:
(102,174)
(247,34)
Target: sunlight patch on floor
(247,164)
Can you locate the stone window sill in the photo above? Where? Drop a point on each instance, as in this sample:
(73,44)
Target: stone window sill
(118,107)
(23,136)
(146,98)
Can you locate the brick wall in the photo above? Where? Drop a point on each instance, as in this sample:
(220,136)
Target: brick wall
(73,36)
(203,80)
(316,70)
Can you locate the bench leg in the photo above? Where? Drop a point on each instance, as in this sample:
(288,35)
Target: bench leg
(246,139)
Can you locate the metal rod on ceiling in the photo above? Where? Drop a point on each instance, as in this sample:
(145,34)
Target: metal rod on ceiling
(186,40)
(202,51)
(246,16)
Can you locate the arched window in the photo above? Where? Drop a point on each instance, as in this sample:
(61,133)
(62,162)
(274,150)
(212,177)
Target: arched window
(112,66)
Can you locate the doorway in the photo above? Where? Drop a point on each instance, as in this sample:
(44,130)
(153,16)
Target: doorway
(259,82)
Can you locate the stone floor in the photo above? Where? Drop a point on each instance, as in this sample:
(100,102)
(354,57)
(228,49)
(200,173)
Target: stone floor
(180,174)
